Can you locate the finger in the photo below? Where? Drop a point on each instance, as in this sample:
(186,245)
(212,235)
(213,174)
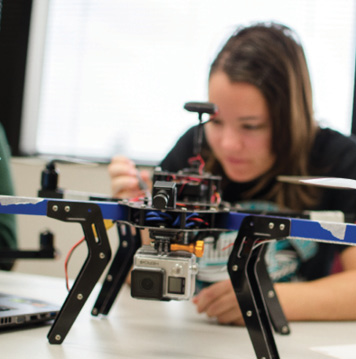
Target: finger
(146,177)
(224,307)
(223,304)
(125,186)
(121,160)
(117,168)
(231,317)
(208,295)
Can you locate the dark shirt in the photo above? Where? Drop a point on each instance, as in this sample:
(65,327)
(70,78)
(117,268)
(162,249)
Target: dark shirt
(332,155)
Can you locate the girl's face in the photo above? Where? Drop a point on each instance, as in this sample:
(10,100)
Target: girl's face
(240,134)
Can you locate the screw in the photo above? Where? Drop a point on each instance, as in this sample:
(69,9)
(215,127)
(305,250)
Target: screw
(282,226)
(270,294)
(101,255)
(58,337)
(235,268)
(124,244)
(67,208)
(55,208)
(109,278)
(80,296)
(249,313)
(95,311)
(271,225)
(285,329)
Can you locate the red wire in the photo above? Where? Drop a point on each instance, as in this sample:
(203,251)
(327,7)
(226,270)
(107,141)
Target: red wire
(136,199)
(197,219)
(189,179)
(216,198)
(200,159)
(67,260)
(228,246)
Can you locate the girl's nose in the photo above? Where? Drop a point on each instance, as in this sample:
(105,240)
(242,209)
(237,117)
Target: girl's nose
(231,140)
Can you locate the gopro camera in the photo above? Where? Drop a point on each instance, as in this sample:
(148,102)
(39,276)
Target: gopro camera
(163,276)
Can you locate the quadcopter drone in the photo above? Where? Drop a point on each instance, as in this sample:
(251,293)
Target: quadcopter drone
(184,208)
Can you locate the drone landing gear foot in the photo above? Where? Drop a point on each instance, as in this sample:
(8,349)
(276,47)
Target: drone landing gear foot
(120,267)
(252,284)
(99,253)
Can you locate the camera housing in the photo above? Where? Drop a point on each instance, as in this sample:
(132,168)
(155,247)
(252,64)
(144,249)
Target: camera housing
(163,276)
(164,195)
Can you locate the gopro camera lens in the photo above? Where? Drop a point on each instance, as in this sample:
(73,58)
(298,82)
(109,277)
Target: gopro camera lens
(147,283)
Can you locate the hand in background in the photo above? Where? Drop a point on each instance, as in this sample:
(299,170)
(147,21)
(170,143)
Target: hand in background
(126,178)
(219,301)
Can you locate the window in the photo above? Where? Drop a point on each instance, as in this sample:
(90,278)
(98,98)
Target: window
(112,76)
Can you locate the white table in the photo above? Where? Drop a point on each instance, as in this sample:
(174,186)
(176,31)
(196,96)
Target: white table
(153,330)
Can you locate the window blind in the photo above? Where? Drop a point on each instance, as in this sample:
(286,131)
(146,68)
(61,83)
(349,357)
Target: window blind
(112,76)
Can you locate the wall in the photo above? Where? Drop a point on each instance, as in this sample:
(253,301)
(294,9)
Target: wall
(27,174)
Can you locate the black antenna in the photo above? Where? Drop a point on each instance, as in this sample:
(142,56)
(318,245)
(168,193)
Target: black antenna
(200,108)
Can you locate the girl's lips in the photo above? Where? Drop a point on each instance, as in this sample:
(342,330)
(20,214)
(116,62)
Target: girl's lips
(236,161)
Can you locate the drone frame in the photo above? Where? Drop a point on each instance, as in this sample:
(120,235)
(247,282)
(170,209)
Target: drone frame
(252,285)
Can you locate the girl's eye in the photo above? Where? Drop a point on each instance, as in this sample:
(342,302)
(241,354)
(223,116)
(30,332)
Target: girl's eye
(252,127)
(215,121)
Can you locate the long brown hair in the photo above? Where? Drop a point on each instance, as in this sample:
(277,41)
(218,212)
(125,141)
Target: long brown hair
(270,57)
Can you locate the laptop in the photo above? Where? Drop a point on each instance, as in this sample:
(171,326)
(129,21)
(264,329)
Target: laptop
(18,311)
